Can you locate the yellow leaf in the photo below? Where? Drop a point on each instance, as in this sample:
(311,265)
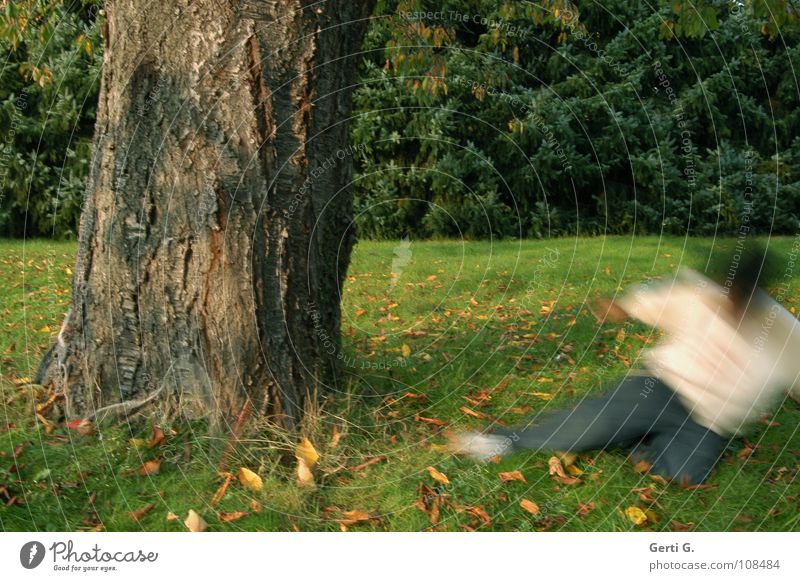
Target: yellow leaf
(305,451)
(529,506)
(195,523)
(250,479)
(636,515)
(406,351)
(438,476)
(574,470)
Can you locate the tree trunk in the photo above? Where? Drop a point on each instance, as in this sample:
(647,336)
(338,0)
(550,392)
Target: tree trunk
(216,231)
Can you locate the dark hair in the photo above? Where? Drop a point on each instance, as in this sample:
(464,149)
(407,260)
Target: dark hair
(744,269)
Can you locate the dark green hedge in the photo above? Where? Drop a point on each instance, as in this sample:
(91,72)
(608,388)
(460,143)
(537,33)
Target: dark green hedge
(483,118)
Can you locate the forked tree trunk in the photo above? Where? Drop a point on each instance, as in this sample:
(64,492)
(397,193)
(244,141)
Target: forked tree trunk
(216,232)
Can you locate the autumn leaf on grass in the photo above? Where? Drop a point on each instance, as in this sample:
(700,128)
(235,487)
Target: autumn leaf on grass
(353,517)
(195,523)
(406,350)
(150,468)
(479,512)
(530,506)
(679,527)
(250,479)
(157,438)
(223,487)
(138,514)
(335,437)
(584,509)
(231,516)
(556,469)
(438,476)
(515,476)
(636,515)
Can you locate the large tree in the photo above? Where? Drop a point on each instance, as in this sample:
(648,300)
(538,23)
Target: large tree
(216,231)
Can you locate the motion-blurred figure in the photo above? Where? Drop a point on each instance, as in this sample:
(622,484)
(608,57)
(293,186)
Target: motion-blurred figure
(729,354)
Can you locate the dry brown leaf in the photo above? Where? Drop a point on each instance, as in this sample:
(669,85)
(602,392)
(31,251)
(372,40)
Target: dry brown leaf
(515,476)
(480,513)
(223,488)
(556,469)
(250,479)
(138,514)
(172,516)
(432,421)
(231,516)
(150,468)
(352,517)
(255,506)
(195,523)
(567,480)
(156,438)
(305,450)
(368,463)
(438,476)
(530,506)
(584,509)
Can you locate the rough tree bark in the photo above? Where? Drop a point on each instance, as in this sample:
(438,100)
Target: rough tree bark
(216,233)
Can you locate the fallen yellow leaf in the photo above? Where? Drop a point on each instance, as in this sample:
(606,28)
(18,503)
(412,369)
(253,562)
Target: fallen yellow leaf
(556,469)
(305,451)
(636,515)
(406,351)
(250,479)
(438,476)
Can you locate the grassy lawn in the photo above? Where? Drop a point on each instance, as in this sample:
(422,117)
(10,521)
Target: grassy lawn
(466,333)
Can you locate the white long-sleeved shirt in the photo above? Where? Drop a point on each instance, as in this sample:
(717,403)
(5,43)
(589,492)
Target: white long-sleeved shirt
(725,372)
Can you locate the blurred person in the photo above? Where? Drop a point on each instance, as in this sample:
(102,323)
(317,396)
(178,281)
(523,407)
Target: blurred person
(729,354)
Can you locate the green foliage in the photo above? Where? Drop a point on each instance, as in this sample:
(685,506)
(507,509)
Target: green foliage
(48,94)
(485,117)
(609,118)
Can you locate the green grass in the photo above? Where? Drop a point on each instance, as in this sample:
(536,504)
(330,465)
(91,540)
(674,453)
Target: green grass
(472,317)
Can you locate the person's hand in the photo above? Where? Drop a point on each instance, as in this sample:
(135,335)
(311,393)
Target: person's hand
(606,310)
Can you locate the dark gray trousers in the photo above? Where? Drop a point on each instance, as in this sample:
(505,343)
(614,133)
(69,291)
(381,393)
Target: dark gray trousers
(640,415)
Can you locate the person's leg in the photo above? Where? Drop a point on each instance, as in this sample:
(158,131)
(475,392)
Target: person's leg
(686,454)
(625,414)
